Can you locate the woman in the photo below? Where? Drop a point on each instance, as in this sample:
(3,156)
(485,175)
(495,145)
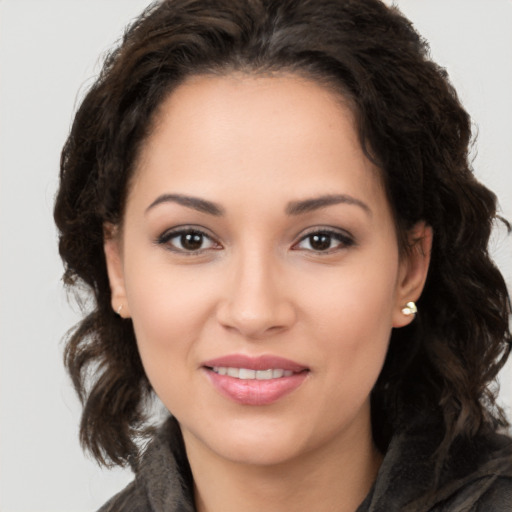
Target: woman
(272,204)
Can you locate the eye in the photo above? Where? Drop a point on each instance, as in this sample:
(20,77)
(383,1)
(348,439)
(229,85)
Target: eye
(187,240)
(324,241)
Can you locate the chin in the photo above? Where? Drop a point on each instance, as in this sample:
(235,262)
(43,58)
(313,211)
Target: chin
(256,441)
(262,451)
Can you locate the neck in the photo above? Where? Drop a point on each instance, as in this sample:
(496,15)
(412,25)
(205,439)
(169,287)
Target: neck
(333,477)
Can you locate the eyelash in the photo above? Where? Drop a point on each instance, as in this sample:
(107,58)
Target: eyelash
(344,240)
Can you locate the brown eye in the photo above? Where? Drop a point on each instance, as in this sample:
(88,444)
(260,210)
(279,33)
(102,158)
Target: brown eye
(320,242)
(325,242)
(185,241)
(191,241)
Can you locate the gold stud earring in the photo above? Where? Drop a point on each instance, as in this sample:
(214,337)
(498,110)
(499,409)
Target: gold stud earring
(410,309)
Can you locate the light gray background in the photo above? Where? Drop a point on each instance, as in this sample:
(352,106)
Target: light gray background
(48,53)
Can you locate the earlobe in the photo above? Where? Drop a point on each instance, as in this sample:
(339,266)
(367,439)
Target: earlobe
(413,273)
(114,262)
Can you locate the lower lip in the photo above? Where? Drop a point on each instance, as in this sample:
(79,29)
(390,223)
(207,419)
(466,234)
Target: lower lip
(253,391)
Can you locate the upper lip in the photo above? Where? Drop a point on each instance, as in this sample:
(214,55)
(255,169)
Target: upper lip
(264,362)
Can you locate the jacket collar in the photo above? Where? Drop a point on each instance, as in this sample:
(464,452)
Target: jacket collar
(410,480)
(404,482)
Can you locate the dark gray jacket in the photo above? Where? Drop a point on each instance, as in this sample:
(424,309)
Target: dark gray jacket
(477,476)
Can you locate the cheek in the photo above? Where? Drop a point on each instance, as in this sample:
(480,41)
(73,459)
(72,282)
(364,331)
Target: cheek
(169,310)
(352,301)
(163,297)
(352,318)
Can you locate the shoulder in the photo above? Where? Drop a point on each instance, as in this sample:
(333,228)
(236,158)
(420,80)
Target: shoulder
(159,496)
(130,499)
(481,479)
(162,477)
(498,496)
(474,476)
(487,494)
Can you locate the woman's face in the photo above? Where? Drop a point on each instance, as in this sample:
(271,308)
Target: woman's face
(258,261)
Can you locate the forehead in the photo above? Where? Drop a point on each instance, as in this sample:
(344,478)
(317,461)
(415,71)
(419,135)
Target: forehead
(270,132)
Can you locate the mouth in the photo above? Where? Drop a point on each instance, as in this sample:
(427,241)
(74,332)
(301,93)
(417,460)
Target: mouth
(255,381)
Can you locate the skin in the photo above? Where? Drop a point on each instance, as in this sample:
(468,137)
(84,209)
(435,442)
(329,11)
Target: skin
(258,285)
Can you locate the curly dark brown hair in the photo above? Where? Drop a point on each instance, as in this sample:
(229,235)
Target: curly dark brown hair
(410,123)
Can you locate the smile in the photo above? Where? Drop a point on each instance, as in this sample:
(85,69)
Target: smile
(248,374)
(255,381)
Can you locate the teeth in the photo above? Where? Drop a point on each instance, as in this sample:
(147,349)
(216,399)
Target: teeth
(265,374)
(233,372)
(247,374)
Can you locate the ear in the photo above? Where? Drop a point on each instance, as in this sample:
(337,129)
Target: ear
(413,271)
(113,256)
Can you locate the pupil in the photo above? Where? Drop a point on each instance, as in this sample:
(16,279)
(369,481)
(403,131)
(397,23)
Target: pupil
(320,242)
(192,241)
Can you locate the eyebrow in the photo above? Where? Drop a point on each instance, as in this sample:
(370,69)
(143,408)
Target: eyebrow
(293,208)
(315,203)
(201,205)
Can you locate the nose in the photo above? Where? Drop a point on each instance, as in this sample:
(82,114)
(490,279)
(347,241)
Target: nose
(257,303)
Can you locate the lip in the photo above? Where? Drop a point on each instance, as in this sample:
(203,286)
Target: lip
(255,392)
